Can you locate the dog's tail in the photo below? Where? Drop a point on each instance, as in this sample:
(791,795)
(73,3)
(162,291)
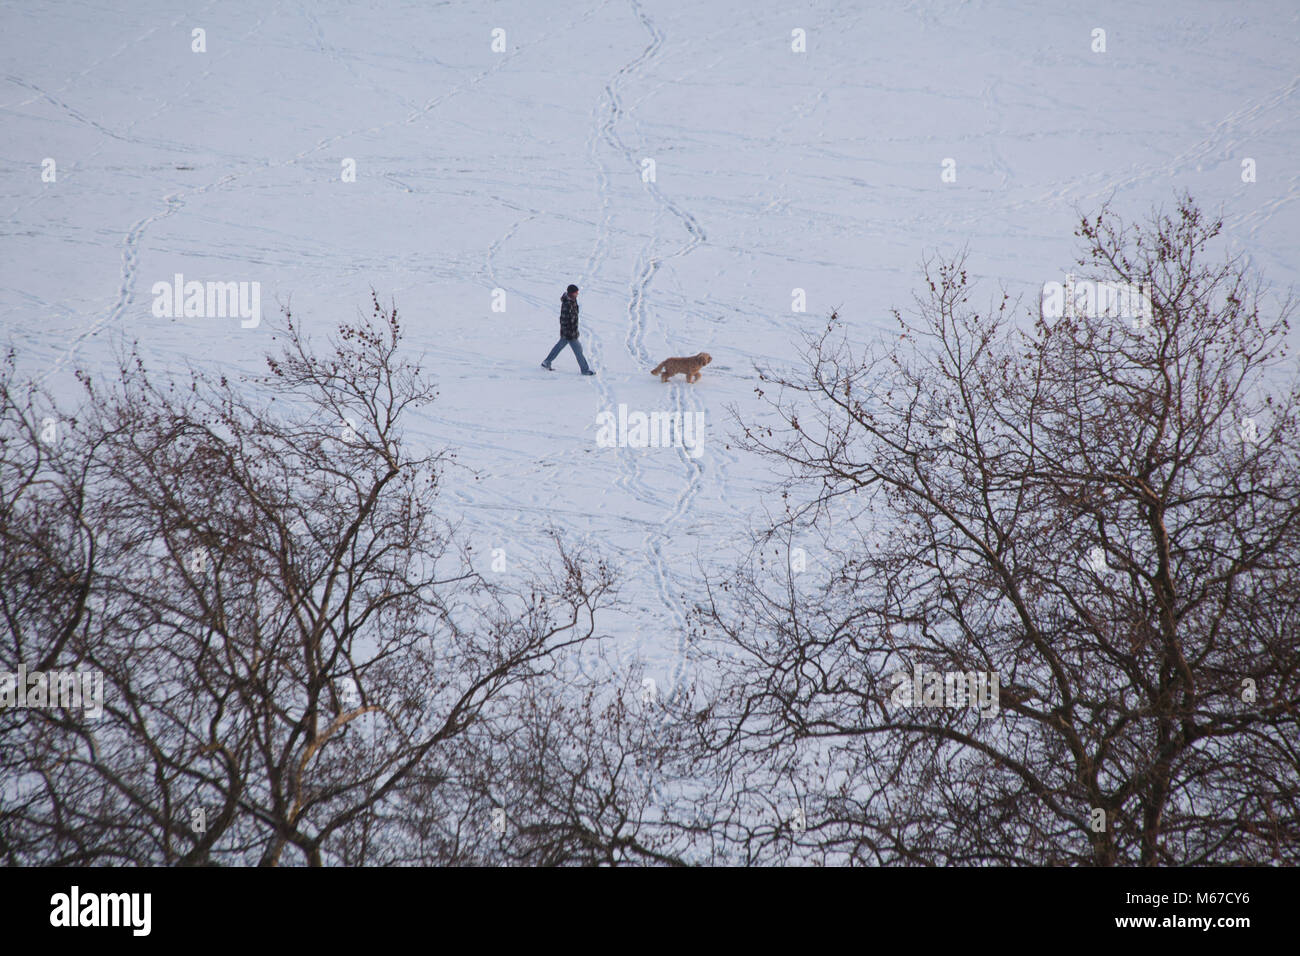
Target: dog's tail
(658,368)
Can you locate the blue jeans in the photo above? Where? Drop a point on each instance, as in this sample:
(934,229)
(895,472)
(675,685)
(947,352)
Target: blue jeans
(577,350)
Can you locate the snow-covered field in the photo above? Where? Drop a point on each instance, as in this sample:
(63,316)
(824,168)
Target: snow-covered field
(525,168)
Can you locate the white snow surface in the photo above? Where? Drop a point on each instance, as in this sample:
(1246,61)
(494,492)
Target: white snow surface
(522,170)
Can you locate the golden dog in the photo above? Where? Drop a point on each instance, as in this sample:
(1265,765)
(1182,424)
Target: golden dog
(690,367)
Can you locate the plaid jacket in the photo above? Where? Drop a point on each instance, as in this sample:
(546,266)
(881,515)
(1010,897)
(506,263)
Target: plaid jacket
(568,317)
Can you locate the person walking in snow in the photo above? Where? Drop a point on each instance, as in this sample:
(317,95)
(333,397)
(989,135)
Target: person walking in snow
(568,331)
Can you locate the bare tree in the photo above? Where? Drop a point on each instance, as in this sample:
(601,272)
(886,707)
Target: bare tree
(291,643)
(1033,598)
(595,779)
(1101,513)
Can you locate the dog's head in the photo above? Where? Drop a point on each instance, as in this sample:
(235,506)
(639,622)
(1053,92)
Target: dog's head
(706,357)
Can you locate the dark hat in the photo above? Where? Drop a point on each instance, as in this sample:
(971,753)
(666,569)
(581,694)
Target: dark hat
(573,288)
